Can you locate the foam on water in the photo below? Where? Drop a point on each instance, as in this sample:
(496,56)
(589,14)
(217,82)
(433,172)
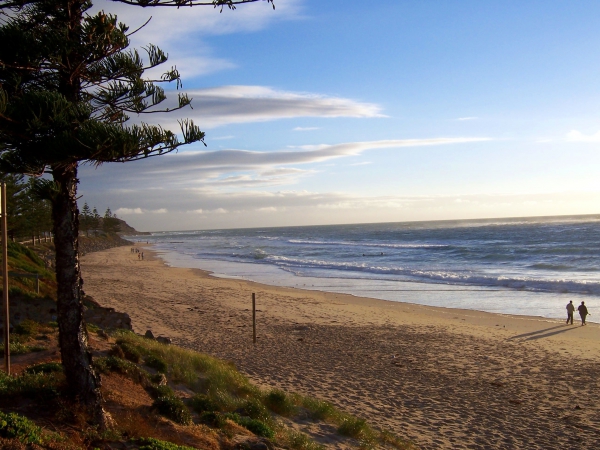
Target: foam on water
(526,266)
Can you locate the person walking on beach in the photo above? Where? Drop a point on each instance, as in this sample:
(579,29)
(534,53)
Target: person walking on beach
(570,311)
(583,312)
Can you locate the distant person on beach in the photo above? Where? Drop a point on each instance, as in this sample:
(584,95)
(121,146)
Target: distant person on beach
(142,256)
(583,312)
(570,311)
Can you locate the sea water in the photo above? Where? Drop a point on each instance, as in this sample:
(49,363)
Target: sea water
(526,266)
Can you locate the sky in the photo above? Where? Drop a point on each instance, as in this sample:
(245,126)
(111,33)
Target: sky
(328,112)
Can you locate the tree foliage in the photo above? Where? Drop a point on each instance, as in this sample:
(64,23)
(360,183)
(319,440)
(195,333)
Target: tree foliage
(27,213)
(110,222)
(69,85)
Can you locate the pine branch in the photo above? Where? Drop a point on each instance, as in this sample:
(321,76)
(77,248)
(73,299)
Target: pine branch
(231,4)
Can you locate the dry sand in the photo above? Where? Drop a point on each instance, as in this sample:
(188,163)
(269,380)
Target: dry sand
(444,378)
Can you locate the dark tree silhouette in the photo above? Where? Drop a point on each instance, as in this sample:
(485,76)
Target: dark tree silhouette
(68,84)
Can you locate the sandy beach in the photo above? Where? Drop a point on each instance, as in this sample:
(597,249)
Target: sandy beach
(444,378)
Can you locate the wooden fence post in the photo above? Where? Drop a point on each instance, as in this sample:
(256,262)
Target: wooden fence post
(5,279)
(254,318)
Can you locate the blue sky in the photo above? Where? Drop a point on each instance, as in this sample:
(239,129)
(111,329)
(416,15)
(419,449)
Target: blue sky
(344,112)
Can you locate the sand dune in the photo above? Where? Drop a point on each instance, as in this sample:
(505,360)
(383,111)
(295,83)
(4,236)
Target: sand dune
(444,378)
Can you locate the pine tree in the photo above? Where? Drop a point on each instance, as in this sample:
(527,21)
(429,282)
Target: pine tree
(68,84)
(16,195)
(85,219)
(96,219)
(110,223)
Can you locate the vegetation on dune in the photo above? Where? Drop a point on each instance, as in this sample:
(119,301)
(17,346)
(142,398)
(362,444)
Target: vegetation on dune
(206,396)
(223,394)
(22,259)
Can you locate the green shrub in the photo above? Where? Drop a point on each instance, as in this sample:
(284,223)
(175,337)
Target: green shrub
(33,385)
(113,364)
(279,402)
(130,351)
(353,427)
(160,391)
(49,367)
(173,408)
(156,363)
(256,410)
(255,426)
(155,444)
(319,409)
(27,328)
(14,426)
(213,419)
(18,348)
(201,403)
(300,441)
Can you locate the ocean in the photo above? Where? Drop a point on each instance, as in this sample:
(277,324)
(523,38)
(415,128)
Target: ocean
(524,266)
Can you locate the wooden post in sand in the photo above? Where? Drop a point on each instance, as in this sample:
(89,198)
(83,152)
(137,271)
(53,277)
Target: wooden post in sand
(254,318)
(5,278)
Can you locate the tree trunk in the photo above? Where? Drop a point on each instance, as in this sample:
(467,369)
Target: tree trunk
(82,381)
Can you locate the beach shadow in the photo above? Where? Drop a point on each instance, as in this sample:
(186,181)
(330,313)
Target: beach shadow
(543,333)
(540,336)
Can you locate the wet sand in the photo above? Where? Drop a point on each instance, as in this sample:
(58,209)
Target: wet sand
(444,378)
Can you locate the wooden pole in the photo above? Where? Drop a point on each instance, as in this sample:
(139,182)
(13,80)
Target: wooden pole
(254,318)
(5,279)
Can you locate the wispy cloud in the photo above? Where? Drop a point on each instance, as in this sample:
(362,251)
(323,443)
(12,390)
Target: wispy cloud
(242,104)
(222,138)
(130,211)
(365,163)
(236,169)
(306,128)
(462,119)
(578,136)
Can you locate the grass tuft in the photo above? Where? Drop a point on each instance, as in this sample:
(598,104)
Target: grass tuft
(354,427)
(157,391)
(27,328)
(156,363)
(130,351)
(255,426)
(296,440)
(320,409)
(49,367)
(278,401)
(254,409)
(173,408)
(213,419)
(32,385)
(114,364)
(201,403)
(155,444)
(18,348)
